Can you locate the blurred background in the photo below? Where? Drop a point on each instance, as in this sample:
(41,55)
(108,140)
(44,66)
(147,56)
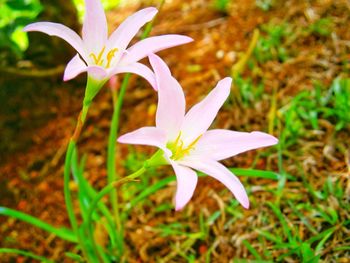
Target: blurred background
(290,64)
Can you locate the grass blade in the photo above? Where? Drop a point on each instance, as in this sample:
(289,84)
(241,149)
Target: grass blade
(63,233)
(255,173)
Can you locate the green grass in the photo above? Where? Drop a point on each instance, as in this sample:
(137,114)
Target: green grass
(221,5)
(249,92)
(270,45)
(303,113)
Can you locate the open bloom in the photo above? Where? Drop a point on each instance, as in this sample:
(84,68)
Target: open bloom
(103,57)
(187,143)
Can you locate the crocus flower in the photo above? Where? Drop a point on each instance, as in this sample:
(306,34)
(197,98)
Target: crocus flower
(103,57)
(185,141)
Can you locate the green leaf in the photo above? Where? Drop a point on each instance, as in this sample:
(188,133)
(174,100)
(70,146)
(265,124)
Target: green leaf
(148,191)
(283,221)
(87,193)
(308,255)
(251,249)
(74,256)
(323,235)
(63,233)
(269,236)
(20,38)
(255,173)
(211,220)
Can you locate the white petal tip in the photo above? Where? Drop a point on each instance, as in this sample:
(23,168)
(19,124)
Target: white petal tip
(180,39)
(151,10)
(26,29)
(178,208)
(188,39)
(66,77)
(121,139)
(226,81)
(270,140)
(245,205)
(33,27)
(275,140)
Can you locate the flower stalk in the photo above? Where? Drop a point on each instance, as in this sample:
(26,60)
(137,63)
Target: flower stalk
(118,98)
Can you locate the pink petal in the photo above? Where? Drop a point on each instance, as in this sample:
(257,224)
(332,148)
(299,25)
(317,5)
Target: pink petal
(95,30)
(171,99)
(186,180)
(152,45)
(199,118)
(74,68)
(136,68)
(122,36)
(222,144)
(97,72)
(220,173)
(146,136)
(61,31)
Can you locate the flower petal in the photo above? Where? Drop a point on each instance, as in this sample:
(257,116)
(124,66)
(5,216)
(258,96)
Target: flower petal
(61,31)
(95,30)
(222,144)
(220,173)
(74,68)
(122,36)
(171,99)
(146,136)
(199,118)
(186,180)
(138,69)
(152,45)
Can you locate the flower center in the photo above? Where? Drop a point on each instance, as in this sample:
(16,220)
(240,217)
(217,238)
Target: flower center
(99,60)
(180,150)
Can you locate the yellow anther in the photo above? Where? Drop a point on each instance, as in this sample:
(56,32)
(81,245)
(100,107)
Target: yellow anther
(177,139)
(98,59)
(178,149)
(194,142)
(110,56)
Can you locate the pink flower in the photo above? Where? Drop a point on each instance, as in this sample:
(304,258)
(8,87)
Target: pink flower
(102,57)
(187,143)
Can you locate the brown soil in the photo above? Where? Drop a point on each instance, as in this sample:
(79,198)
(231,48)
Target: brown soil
(32,174)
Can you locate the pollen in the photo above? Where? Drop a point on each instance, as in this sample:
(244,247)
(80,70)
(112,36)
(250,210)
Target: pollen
(178,148)
(98,59)
(110,56)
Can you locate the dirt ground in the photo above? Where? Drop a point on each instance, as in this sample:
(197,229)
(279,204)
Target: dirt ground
(39,120)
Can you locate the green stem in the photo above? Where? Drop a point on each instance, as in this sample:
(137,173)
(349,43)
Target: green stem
(66,178)
(111,166)
(111,152)
(88,193)
(106,190)
(63,233)
(24,253)
(67,193)
(111,169)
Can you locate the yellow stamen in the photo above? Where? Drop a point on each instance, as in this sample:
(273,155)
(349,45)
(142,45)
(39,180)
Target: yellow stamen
(98,61)
(178,149)
(177,139)
(192,144)
(110,56)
